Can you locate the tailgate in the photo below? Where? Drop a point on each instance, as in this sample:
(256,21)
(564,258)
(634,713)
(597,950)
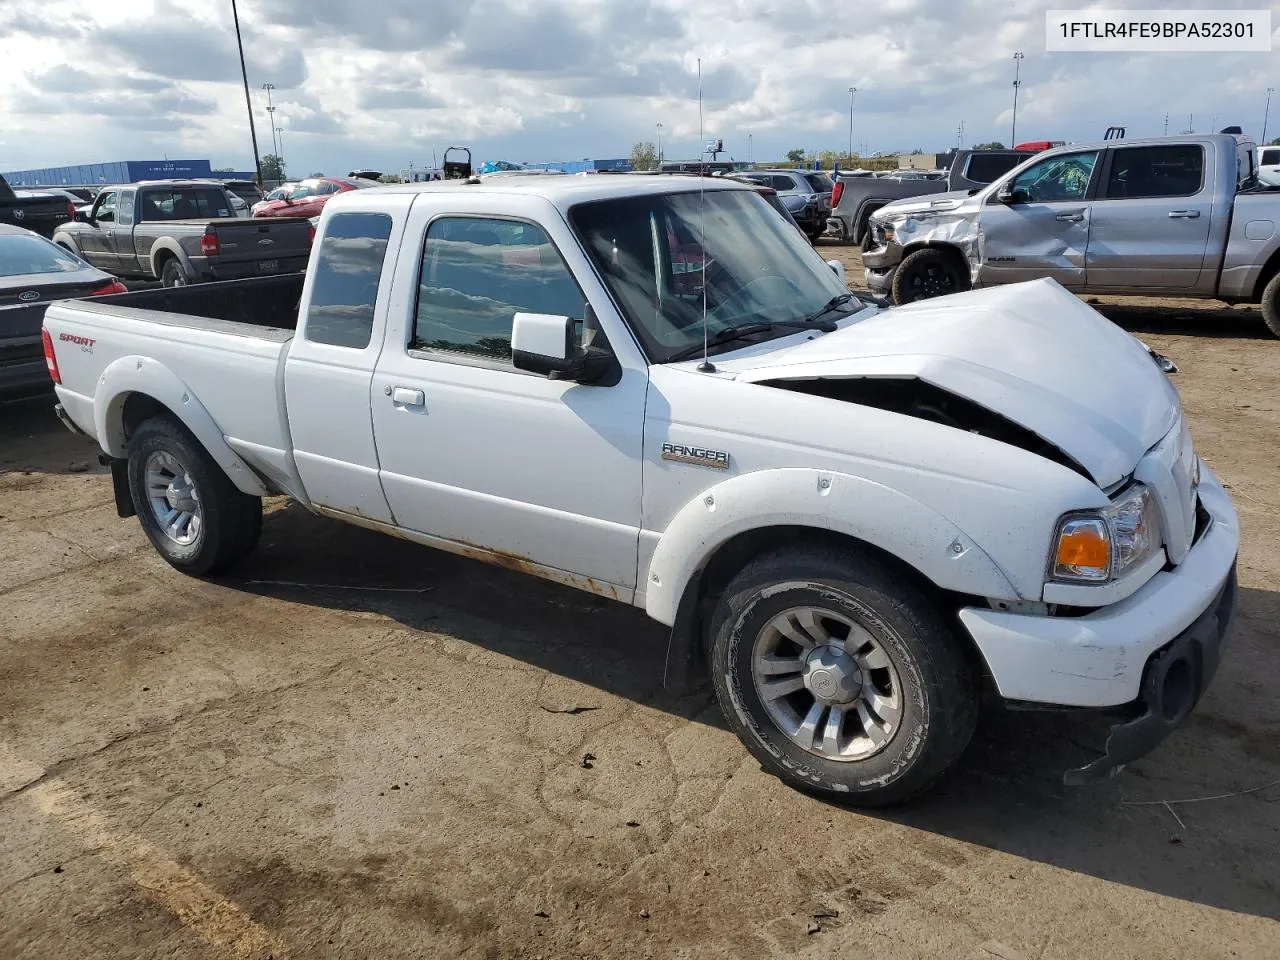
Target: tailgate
(270,238)
(42,215)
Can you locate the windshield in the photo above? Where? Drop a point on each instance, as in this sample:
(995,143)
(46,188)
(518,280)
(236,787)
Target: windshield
(649,253)
(21,255)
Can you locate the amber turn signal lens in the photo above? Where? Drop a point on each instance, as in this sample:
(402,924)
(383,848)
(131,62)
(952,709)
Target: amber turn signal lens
(1084,550)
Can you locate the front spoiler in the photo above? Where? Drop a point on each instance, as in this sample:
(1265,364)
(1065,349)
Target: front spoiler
(1173,681)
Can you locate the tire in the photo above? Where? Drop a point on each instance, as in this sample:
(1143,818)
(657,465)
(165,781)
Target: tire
(910,656)
(172,274)
(222,524)
(1271,305)
(929,272)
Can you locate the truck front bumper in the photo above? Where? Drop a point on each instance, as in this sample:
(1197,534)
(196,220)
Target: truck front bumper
(1152,653)
(879,262)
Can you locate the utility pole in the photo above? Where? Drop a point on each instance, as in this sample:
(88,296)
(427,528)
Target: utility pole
(1017,82)
(852,92)
(1266,115)
(271,118)
(1166,124)
(960,135)
(659,143)
(244,75)
(750,153)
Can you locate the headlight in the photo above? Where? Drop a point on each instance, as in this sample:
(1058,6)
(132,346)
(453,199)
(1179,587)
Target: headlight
(1097,547)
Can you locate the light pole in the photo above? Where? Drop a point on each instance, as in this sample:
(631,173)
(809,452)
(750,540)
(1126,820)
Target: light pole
(279,131)
(852,92)
(271,118)
(1017,82)
(659,143)
(750,153)
(244,75)
(1266,115)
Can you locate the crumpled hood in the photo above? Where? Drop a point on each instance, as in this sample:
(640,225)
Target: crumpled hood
(930,203)
(1031,352)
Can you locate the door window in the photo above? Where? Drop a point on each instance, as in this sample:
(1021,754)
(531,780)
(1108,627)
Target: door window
(1174,170)
(344,286)
(105,209)
(1064,178)
(477,273)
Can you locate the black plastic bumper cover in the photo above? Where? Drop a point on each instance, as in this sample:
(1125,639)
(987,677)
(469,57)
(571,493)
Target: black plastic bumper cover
(1175,678)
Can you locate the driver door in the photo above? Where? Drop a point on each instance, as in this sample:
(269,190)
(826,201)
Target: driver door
(97,240)
(1042,228)
(472,450)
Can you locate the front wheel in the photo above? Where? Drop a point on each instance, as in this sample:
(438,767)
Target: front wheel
(1271,305)
(189,509)
(841,676)
(927,273)
(172,274)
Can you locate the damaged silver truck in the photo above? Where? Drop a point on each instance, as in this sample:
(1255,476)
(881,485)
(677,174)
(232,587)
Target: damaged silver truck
(1166,216)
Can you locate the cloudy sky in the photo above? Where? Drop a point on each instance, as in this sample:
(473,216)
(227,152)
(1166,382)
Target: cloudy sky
(385,82)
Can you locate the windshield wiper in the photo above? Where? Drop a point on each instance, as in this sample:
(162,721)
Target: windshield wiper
(750,329)
(839,300)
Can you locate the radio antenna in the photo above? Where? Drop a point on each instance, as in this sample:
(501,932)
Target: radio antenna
(706,366)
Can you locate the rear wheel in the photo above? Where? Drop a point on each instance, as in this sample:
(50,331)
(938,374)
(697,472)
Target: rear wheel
(1271,305)
(188,508)
(927,273)
(172,274)
(841,676)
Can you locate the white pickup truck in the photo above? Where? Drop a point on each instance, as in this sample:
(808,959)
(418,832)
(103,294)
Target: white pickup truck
(859,519)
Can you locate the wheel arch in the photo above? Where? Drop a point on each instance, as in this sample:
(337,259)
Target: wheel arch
(133,389)
(1269,270)
(166,249)
(760,510)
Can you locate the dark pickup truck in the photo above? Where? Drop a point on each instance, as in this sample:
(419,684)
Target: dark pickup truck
(182,232)
(854,199)
(36,212)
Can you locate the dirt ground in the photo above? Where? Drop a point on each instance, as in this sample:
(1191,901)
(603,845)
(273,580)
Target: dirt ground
(269,766)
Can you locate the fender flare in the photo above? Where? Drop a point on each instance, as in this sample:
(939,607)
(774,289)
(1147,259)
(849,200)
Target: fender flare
(169,245)
(825,500)
(68,241)
(135,374)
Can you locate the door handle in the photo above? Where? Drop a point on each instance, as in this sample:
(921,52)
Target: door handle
(1070,217)
(1183,214)
(406,397)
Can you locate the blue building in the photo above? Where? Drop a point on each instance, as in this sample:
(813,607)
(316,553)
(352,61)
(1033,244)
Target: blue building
(581,166)
(120,171)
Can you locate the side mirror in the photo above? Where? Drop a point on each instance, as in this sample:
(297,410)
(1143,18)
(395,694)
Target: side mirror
(543,343)
(837,268)
(81,217)
(1005,193)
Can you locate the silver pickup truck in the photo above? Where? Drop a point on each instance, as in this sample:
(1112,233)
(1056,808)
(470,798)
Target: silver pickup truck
(1166,216)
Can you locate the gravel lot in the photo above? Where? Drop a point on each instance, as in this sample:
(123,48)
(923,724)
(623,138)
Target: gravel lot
(265,766)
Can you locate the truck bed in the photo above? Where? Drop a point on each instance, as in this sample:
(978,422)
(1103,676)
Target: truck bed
(223,343)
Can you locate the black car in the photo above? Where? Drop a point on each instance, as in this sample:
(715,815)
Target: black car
(35,272)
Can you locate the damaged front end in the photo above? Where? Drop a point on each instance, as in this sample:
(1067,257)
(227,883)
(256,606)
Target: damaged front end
(936,222)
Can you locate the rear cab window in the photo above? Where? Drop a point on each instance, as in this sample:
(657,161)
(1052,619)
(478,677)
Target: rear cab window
(1166,170)
(345,274)
(987,168)
(188,203)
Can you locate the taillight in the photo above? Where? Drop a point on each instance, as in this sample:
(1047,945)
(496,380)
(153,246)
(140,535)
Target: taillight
(836,193)
(311,234)
(50,360)
(209,244)
(71,211)
(106,290)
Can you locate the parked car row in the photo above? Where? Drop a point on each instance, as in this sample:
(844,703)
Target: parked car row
(306,198)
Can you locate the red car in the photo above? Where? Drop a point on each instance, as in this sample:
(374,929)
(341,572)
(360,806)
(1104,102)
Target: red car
(308,197)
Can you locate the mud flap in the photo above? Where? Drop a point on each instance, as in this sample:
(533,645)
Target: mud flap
(120,485)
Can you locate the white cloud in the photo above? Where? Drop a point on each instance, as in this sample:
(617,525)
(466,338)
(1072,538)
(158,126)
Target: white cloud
(385,83)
